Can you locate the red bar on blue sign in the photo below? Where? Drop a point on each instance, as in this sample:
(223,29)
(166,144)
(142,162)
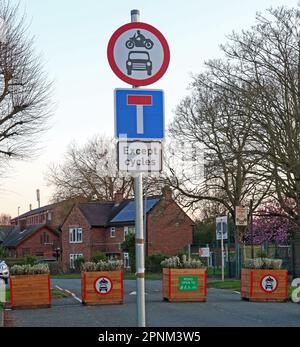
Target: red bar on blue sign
(139,100)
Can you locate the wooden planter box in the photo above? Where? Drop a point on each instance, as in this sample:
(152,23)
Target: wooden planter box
(184,284)
(30,291)
(264,285)
(100,288)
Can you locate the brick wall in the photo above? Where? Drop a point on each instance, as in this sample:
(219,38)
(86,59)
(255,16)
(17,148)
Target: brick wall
(33,245)
(94,239)
(169,228)
(75,219)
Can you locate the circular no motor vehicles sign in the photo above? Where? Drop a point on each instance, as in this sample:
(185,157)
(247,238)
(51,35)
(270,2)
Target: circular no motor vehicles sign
(138,54)
(269,283)
(103,285)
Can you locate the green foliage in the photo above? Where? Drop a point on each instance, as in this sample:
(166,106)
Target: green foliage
(3,252)
(153,262)
(182,253)
(30,260)
(128,246)
(204,233)
(261,254)
(78,263)
(98,256)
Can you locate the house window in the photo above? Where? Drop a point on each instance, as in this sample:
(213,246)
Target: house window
(128,230)
(126,260)
(73,257)
(25,252)
(75,235)
(112,232)
(44,239)
(49,216)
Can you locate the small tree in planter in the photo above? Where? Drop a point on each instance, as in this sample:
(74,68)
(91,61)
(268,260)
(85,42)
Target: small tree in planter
(30,286)
(102,282)
(263,280)
(184,280)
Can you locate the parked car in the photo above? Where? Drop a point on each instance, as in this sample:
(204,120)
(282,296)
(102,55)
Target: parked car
(139,61)
(4,271)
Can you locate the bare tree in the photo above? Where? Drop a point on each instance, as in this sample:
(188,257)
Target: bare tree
(89,171)
(24,91)
(5,219)
(267,63)
(213,119)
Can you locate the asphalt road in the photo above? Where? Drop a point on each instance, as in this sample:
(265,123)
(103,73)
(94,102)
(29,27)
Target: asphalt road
(223,308)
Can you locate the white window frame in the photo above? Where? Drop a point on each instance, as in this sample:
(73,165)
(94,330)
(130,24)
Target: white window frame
(72,258)
(112,232)
(75,235)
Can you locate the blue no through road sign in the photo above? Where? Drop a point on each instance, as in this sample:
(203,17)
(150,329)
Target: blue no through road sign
(139,114)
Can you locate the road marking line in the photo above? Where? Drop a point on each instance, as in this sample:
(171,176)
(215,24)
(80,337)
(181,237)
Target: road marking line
(236,292)
(134,293)
(72,294)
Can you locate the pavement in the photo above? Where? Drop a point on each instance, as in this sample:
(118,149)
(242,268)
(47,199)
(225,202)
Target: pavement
(224,308)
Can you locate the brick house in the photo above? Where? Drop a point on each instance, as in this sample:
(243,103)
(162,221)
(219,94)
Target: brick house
(53,215)
(35,240)
(102,226)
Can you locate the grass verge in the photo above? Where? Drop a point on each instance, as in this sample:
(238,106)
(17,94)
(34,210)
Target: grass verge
(227,284)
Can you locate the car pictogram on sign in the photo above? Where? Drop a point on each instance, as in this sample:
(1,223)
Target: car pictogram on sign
(103,285)
(139,61)
(269,283)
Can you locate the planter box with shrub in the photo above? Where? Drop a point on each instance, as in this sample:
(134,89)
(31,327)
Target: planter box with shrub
(184,281)
(263,280)
(30,286)
(102,283)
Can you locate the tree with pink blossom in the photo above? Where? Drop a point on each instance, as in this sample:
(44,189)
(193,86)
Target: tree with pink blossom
(270,224)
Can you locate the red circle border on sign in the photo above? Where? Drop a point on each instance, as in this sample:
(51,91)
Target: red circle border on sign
(262,287)
(97,291)
(119,73)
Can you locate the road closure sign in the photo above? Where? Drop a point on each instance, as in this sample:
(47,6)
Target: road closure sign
(139,156)
(139,114)
(138,54)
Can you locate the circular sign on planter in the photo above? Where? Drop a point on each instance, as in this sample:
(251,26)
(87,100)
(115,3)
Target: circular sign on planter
(103,285)
(138,54)
(269,283)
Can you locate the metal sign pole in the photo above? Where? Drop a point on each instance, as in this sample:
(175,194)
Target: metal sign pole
(222,249)
(139,232)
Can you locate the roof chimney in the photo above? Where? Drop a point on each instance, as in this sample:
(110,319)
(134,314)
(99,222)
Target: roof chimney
(118,197)
(167,192)
(38,197)
(22,224)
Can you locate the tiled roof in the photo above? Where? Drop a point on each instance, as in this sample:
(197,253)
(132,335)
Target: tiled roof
(97,213)
(37,211)
(4,231)
(16,236)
